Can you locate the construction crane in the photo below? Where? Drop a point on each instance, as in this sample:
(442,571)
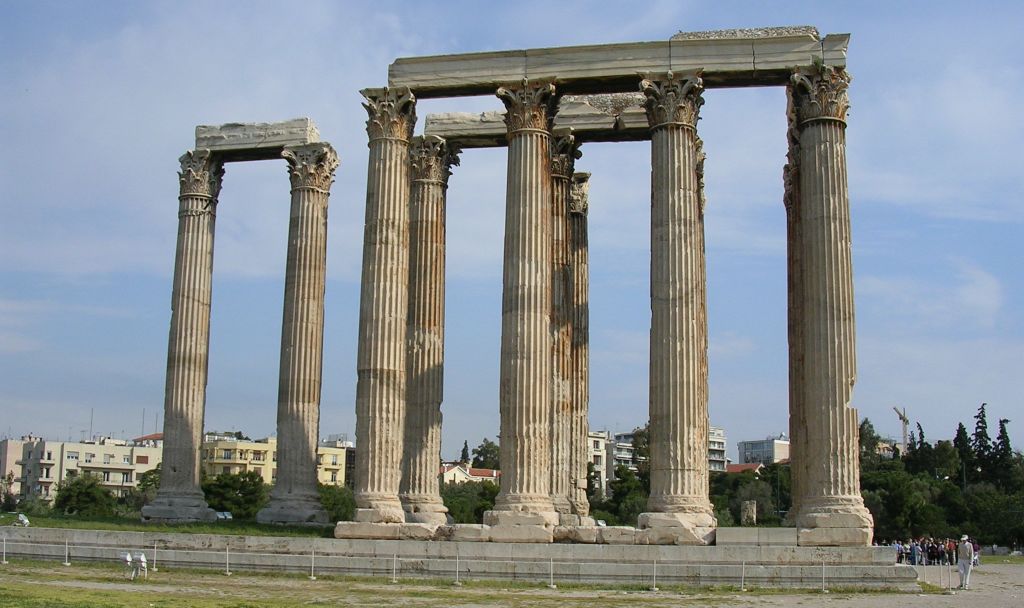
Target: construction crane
(906,422)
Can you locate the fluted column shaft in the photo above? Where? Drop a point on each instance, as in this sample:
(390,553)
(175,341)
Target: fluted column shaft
(525,373)
(294,498)
(678,376)
(180,497)
(431,159)
(563,155)
(579,380)
(831,489)
(380,391)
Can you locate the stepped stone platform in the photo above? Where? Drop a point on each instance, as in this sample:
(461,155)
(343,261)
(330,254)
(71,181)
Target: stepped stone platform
(752,565)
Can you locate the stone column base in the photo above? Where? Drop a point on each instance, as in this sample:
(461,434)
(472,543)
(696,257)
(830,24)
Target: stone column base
(178,508)
(835,529)
(678,528)
(293,511)
(424,510)
(380,515)
(548,519)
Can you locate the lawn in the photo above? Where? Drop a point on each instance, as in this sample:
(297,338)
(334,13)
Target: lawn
(241,528)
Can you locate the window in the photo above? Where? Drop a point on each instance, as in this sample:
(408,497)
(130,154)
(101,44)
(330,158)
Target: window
(46,473)
(275,456)
(334,460)
(597,444)
(597,460)
(49,455)
(142,460)
(226,455)
(108,458)
(257,456)
(127,459)
(126,477)
(106,475)
(89,457)
(72,456)
(334,476)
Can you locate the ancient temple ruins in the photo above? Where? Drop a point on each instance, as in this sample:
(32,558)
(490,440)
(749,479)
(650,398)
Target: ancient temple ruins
(557,100)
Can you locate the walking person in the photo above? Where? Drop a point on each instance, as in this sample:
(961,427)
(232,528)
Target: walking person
(965,561)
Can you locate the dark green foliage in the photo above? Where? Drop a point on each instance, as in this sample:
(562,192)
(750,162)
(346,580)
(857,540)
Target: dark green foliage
(466,502)
(338,501)
(83,495)
(464,457)
(627,499)
(242,494)
(150,480)
(642,450)
(486,455)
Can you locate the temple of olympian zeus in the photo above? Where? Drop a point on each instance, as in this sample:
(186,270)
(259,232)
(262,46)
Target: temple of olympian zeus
(557,100)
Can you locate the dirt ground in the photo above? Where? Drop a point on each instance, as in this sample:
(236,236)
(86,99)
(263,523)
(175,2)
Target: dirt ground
(37,584)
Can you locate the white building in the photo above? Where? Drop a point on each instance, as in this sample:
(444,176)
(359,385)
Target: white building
(767,451)
(619,451)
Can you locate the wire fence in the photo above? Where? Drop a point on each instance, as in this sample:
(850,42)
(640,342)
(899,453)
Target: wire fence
(457,568)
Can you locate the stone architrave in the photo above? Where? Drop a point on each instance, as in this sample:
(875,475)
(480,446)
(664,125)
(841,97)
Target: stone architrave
(832,511)
(579,382)
(525,373)
(380,391)
(180,498)
(564,152)
(678,383)
(431,160)
(294,499)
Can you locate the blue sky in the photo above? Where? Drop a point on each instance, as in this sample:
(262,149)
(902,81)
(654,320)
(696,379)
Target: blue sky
(98,100)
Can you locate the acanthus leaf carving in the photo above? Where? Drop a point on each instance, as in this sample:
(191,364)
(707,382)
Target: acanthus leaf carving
(199,182)
(821,93)
(529,106)
(565,150)
(391,111)
(431,158)
(579,193)
(674,99)
(311,165)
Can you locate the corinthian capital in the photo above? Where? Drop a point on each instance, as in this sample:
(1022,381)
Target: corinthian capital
(311,165)
(579,193)
(673,100)
(820,93)
(565,149)
(529,106)
(431,158)
(201,174)
(392,113)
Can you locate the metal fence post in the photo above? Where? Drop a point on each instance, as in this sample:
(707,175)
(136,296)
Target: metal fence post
(394,568)
(227,560)
(654,577)
(4,561)
(154,568)
(551,574)
(743,576)
(457,582)
(67,553)
(312,564)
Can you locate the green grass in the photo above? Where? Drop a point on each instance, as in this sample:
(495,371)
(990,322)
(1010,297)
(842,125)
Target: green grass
(241,528)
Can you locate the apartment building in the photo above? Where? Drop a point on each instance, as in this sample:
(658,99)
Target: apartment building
(116,462)
(768,450)
(227,453)
(619,451)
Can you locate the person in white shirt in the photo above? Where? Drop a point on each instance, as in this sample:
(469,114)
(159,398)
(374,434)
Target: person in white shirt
(964,561)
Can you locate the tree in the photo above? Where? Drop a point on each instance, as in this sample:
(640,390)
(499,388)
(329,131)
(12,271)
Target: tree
(464,457)
(242,494)
(84,496)
(486,455)
(150,480)
(981,442)
(962,443)
(338,501)
(8,501)
(467,502)
(869,439)
(642,454)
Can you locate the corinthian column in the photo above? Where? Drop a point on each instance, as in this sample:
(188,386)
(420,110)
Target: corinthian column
(579,319)
(525,374)
(564,152)
(180,498)
(832,511)
(431,160)
(380,392)
(678,393)
(294,499)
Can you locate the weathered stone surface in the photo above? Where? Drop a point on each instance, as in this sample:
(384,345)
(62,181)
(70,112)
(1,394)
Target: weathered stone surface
(586,521)
(579,382)
(418,531)
(525,372)
(381,384)
(179,497)
(756,536)
(521,534)
(246,137)
(748,513)
(834,537)
(587,534)
(616,535)
(367,530)
(521,518)
(561,534)
(727,60)
(380,516)
(471,533)
(568,519)
(679,341)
